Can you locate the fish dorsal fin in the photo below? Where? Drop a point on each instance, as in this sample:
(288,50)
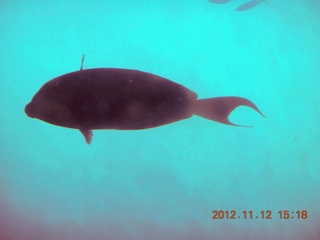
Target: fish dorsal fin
(81,67)
(87,133)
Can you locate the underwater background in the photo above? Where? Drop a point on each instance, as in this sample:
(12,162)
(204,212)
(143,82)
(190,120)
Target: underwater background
(164,182)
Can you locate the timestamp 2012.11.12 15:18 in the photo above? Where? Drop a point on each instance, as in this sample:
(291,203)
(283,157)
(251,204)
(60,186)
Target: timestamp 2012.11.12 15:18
(264,214)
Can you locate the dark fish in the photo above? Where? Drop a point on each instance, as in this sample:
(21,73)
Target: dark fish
(111,98)
(249,5)
(219,1)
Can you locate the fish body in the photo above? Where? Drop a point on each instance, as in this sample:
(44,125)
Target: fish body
(110,98)
(219,1)
(123,99)
(249,5)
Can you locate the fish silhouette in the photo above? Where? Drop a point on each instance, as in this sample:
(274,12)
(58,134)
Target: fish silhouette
(219,1)
(249,5)
(123,99)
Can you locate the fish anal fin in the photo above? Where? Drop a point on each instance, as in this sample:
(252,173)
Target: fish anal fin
(87,133)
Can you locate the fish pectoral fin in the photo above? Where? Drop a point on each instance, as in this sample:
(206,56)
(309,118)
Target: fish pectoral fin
(87,133)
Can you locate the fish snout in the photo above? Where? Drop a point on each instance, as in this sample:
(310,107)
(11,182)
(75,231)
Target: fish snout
(29,110)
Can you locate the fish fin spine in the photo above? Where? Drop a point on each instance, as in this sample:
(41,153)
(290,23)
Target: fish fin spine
(82,60)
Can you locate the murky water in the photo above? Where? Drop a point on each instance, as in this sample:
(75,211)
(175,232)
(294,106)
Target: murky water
(165,182)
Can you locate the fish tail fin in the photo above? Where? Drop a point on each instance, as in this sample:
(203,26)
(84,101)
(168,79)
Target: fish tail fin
(218,109)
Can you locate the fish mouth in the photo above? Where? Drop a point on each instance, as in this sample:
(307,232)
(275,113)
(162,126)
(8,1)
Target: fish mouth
(29,110)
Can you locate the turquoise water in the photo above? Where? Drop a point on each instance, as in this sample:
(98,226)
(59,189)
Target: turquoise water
(164,182)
